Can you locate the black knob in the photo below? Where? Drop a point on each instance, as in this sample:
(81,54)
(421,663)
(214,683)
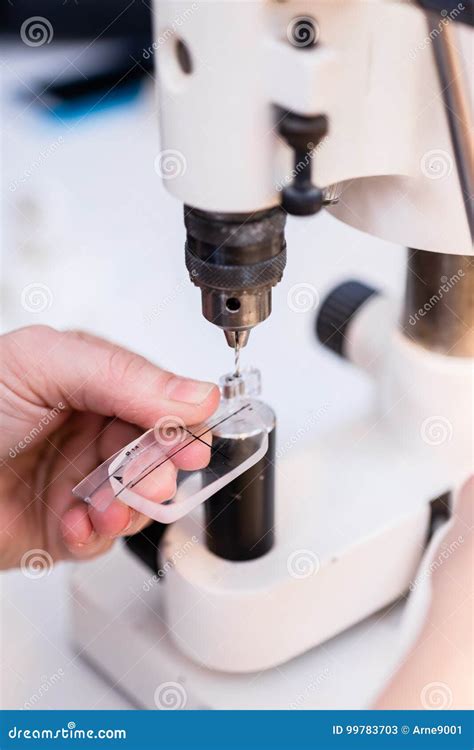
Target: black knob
(336,313)
(302,198)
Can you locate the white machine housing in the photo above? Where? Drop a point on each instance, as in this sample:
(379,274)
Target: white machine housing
(353,508)
(372,73)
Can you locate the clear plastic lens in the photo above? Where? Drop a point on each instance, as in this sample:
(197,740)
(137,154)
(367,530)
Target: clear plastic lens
(129,474)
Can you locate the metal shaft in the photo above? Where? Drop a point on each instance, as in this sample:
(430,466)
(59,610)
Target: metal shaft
(439,302)
(455,95)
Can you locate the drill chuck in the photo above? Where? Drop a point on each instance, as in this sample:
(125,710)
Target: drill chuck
(235,259)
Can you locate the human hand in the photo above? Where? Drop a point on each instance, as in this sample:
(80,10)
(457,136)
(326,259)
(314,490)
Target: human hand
(436,672)
(68,401)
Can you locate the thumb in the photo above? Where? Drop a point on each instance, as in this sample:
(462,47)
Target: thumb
(87,373)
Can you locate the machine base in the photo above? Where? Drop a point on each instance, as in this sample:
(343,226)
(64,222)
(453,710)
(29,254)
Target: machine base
(121,631)
(360,506)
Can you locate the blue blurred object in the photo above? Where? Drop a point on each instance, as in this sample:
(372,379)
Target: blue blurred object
(94,103)
(115,81)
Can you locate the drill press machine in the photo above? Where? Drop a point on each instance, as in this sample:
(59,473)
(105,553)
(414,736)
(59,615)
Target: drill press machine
(276,108)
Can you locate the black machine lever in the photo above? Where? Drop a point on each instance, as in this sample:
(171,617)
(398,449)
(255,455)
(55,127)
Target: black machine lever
(303,134)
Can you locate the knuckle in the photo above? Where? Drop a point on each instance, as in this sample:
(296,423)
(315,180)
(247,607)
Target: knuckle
(21,353)
(77,335)
(123,365)
(39,335)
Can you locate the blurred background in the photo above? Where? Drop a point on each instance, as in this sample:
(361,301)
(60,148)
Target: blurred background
(90,239)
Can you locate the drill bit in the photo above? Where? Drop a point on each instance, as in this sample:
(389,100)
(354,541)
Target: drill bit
(237,355)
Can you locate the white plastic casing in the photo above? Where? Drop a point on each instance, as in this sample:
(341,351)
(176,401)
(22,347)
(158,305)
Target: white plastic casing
(372,73)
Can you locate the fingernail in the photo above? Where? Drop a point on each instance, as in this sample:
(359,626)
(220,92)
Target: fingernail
(91,537)
(130,523)
(189,391)
(78,545)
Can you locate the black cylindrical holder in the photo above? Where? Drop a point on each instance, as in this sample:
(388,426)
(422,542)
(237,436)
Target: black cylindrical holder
(240,518)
